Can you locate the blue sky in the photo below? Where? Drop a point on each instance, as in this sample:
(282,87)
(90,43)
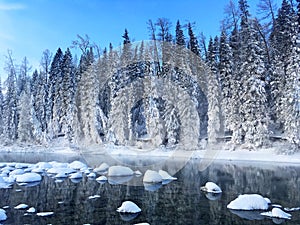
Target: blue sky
(28,27)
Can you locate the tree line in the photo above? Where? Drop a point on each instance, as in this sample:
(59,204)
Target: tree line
(252,87)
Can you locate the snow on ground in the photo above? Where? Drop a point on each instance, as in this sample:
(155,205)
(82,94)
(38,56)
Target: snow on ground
(217,152)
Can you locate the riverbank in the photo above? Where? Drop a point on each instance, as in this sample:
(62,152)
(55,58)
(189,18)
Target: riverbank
(216,152)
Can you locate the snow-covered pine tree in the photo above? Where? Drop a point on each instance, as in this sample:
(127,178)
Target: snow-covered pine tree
(226,80)
(38,93)
(10,114)
(1,110)
(88,89)
(25,125)
(291,98)
(255,117)
(67,93)
(54,86)
(213,95)
(280,48)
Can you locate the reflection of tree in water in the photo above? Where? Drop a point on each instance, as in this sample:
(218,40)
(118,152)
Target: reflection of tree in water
(179,202)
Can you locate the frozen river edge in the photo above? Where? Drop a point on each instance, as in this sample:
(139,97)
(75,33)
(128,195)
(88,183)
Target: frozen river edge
(217,152)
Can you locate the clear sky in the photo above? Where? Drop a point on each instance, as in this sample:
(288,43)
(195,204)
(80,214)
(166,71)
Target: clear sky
(28,27)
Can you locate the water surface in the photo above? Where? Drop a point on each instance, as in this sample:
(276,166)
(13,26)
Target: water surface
(179,202)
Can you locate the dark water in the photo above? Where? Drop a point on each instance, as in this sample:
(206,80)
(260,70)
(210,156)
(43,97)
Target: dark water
(179,202)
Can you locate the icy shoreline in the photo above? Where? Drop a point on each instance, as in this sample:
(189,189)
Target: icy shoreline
(217,152)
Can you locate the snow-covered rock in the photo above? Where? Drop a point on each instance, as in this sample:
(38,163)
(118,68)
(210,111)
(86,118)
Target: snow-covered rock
(17,172)
(58,164)
(102,179)
(37,170)
(61,170)
(152,176)
(77,165)
(94,196)
(77,175)
(277,213)
(165,175)
(28,178)
(120,171)
(100,169)
(43,165)
(43,214)
(249,202)
(129,207)
(91,175)
(21,206)
(3,215)
(22,165)
(211,187)
(138,173)
(31,210)
(61,175)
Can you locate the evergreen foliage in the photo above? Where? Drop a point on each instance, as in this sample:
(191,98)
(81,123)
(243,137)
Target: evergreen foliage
(247,85)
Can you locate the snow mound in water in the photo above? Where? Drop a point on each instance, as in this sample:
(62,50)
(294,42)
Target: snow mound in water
(21,206)
(77,175)
(3,215)
(211,187)
(165,175)
(249,202)
(152,176)
(115,171)
(129,207)
(61,170)
(103,167)
(77,165)
(28,178)
(277,213)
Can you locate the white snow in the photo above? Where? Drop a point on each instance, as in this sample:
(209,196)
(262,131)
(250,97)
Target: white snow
(45,214)
(21,206)
(120,171)
(102,179)
(61,170)
(3,215)
(94,196)
(211,187)
(277,213)
(249,202)
(129,207)
(165,175)
(141,224)
(17,172)
(28,178)
(103,167)
(31,210)
(77,165)
(91,175)
(77,175)
(152,176)
(61,175)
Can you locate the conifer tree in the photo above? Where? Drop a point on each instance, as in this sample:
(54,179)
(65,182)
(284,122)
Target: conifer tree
(10,102)
(1,110)
(54,87)
(193,42)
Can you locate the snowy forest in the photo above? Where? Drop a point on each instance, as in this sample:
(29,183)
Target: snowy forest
(175,88)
